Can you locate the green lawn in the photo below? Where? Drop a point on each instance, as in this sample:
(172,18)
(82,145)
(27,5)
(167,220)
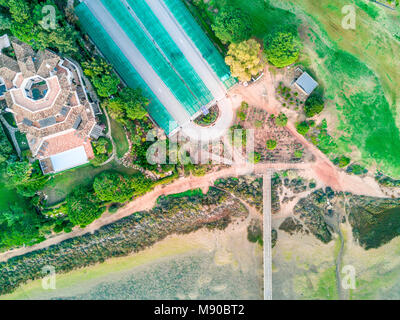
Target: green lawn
(260,12)
(119,137)
(22,142)
(10,119)
(60,185)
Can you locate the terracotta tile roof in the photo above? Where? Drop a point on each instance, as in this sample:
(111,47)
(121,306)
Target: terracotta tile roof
(8,67)
(55,145)
(34,106)
(65,105)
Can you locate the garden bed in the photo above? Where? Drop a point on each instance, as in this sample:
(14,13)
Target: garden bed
(208,119)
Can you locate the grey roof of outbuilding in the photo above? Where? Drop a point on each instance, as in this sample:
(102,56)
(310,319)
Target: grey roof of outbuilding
(307,83)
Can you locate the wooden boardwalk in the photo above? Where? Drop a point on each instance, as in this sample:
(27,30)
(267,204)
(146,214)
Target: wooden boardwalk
(267,235)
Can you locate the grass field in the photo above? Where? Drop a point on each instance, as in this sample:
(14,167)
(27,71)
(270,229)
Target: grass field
(119,137)
(260,11)
(22,142)
(359,70)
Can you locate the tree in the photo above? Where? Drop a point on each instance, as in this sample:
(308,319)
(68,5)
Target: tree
(32,186)
(140,184)
(302,127)
(281,120)
(106,85)
(314,105)
(6,150)
(83,207)
(25,21)
(341,161)
(244,59)
(254,157)
(281,47)
(135,103)
(5,22)
(20,10)
(112,186)
(129,104)
(232,25)
(116,109)
(18,226)
(271,144)
(102,76)
(18,172)
(100,146)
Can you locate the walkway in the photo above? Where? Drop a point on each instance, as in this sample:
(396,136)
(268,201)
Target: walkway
(267,243)
(217,130)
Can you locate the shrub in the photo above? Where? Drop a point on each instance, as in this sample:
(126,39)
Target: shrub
(314,105)
(281,120)
(341,161)
(241,115)
(298,154)
(271,144)
(356,169)
(254,157)
(302,127)
(232,25)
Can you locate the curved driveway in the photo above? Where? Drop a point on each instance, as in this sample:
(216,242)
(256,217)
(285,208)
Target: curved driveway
(216,131)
